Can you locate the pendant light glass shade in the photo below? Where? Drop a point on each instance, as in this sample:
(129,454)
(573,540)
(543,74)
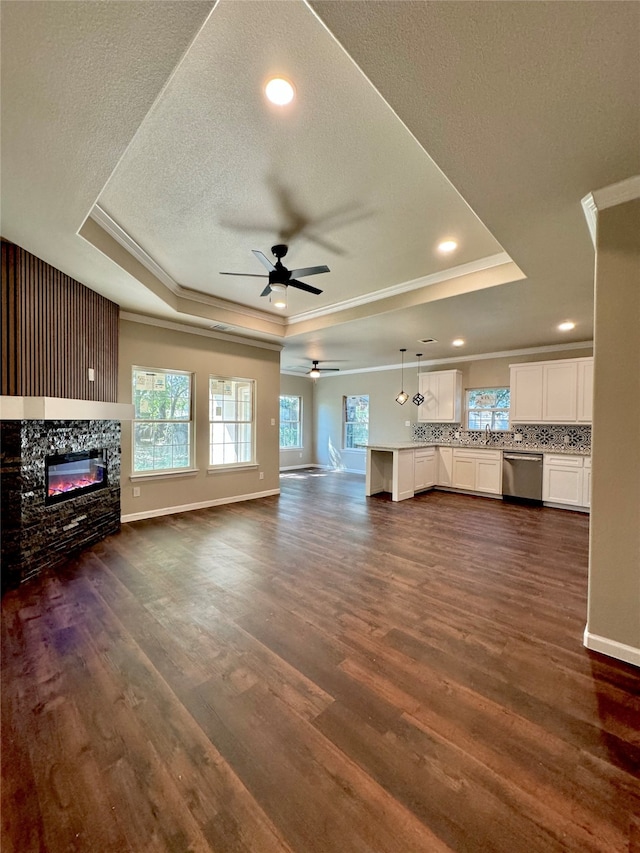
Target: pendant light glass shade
(402,396)
(418,399)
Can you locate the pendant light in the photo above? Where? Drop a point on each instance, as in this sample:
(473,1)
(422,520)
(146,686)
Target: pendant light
(402,396)
(418,399)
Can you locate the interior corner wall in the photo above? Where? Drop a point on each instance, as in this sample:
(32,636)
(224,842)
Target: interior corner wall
(614,558)
(303,387)
(144,345)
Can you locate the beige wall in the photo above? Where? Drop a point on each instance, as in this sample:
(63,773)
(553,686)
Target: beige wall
(300,386)
(388,420)
(614,564)
(151,346)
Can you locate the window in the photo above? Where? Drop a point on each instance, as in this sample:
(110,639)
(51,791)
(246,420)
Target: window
(162,426)
(290,422)
(231,412)
(356,421)
(488,407)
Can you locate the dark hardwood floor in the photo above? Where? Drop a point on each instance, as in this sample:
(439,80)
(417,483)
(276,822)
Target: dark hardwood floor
(319,673)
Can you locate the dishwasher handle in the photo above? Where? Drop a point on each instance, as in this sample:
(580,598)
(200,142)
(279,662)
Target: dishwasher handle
(522,458)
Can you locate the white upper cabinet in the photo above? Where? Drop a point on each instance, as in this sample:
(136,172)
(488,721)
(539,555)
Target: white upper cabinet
(585,390)
(442,392)
(526,393)
(556,392)
(560,392)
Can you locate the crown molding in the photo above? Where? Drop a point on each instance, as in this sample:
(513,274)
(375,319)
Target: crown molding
(490,262)
(196,330)
(457,359)
(610,196)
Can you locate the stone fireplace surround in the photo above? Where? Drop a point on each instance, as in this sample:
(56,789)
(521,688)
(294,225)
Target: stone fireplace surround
(36,536)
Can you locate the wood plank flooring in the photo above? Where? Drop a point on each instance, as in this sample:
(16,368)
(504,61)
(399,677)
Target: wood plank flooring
(319,672)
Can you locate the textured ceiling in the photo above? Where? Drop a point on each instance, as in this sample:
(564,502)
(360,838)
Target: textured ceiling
(140,157)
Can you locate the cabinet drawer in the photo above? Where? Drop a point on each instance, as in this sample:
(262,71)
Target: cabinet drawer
(564,461)
(475,453)
(425,453)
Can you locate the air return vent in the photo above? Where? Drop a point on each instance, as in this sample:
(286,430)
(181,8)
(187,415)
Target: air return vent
(428,341)
(219,327)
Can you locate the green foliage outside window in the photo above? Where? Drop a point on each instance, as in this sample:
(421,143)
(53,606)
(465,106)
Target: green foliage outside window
(488,407)
(356,421)
(290,417)
(162,420)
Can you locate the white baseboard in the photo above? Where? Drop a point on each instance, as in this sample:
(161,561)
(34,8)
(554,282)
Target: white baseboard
(171,510)
(298,467)
(612,648)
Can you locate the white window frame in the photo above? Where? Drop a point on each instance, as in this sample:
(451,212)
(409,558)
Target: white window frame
(489,410)
(239,407)
(346,423)
(297,422)
(151,376)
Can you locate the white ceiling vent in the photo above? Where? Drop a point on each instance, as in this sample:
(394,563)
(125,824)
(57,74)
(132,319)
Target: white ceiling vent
(219,327)
(428,341)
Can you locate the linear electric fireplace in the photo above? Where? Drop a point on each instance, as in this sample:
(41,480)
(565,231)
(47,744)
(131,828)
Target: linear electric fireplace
(71,474)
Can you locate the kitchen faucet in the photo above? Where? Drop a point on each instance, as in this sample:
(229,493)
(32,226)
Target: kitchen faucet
(487,434)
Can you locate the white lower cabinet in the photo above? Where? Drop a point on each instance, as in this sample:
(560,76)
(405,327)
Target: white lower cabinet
(477,470)
(564,481)
(424,468)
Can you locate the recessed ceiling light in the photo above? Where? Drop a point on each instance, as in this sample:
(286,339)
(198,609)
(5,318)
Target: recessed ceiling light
(447,246)
(566,327)
(458,342)
(279,91)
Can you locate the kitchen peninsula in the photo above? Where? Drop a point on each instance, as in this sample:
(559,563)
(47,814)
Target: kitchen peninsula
(391,468)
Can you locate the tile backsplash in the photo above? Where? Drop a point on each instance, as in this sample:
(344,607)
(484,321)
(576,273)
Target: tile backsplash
(552,437)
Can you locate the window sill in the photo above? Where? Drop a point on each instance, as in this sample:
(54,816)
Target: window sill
(241,466)
(161,475)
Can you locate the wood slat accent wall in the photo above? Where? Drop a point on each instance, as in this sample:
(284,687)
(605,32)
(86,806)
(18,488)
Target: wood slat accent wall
(53,330)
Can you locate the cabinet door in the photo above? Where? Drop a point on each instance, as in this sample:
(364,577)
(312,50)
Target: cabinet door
(562,485)
(420,472)
(428,384)
(445,466)
(560,393)
(585,392)
(489,476)
(464,474)
(526,393)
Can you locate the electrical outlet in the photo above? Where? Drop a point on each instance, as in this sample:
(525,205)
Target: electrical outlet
(517,436)
(457,434)
(262,475)
(566,439)
(407,423)
(273,421)
(300,455)
(136,491)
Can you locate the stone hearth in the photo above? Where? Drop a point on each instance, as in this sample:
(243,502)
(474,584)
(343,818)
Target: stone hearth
(36,536)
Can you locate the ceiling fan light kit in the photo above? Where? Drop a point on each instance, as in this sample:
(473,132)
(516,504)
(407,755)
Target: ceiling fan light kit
(278,295)
(402,396)
(315,371)
(280,278)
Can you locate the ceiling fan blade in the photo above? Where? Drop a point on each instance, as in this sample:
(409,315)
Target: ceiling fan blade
(309,271)
(302,286)
(248,274)
(264,260)
(266,291)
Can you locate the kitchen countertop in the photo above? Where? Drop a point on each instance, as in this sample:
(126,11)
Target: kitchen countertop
(413,445)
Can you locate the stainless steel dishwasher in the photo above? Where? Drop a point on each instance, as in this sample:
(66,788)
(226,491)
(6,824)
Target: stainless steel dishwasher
(522,476)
